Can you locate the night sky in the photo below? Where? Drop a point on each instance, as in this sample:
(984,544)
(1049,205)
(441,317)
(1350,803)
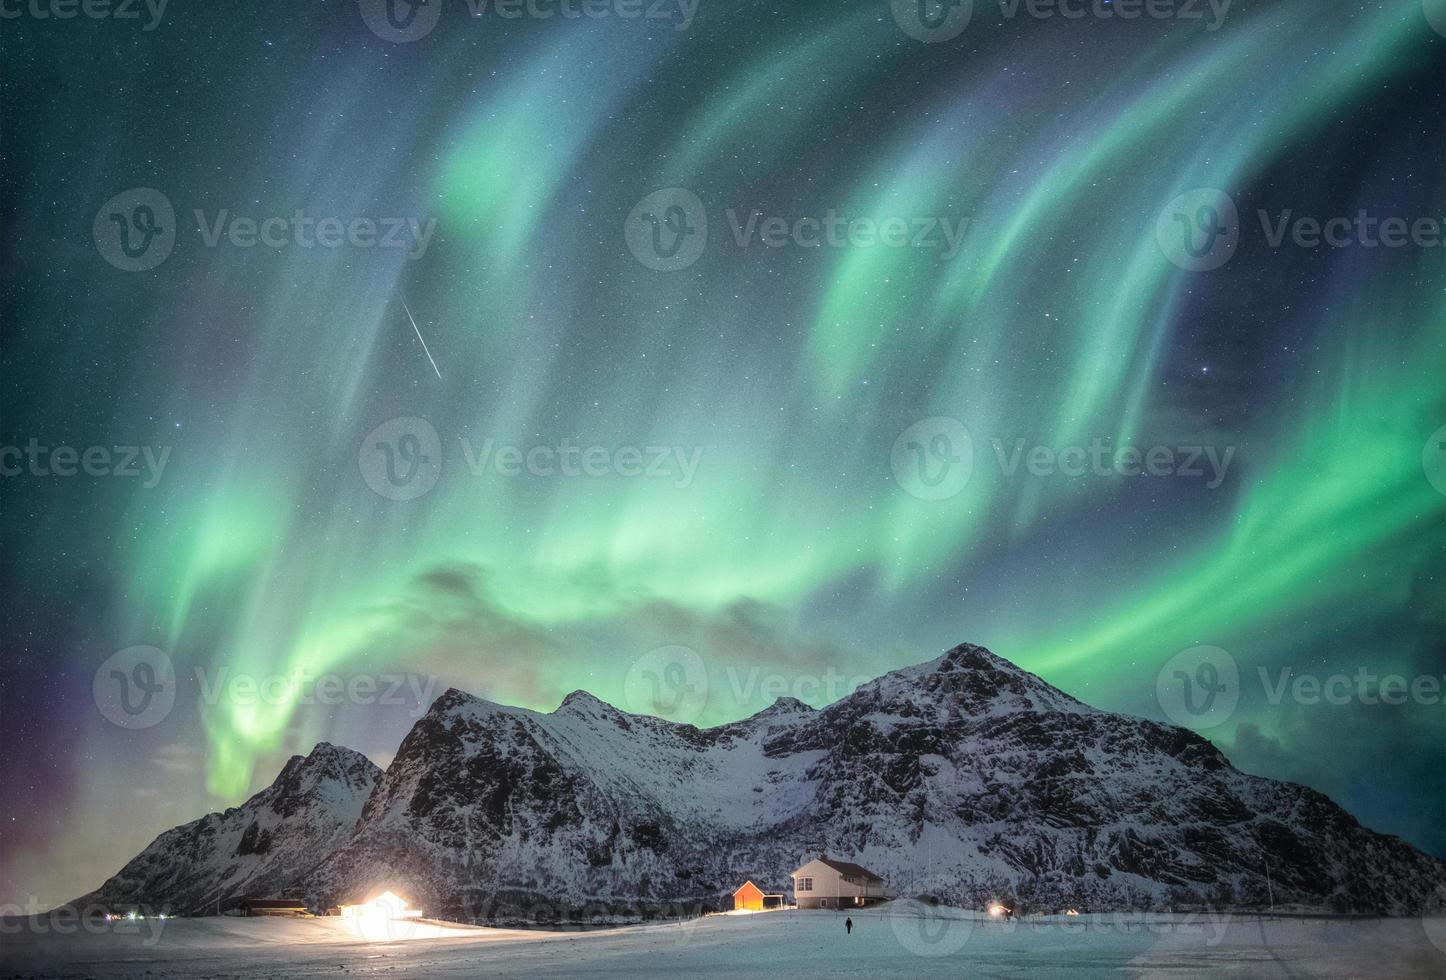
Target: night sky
(785,470)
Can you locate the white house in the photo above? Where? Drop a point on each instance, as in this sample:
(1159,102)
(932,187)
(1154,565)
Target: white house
(824,883)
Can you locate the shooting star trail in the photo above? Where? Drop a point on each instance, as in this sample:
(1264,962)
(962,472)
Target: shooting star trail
(419,337)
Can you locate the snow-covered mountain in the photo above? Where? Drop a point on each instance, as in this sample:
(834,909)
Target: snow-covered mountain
(256,850)
(965,778)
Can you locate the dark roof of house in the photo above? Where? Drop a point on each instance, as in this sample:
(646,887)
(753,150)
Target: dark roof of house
(275,903)
(848,868)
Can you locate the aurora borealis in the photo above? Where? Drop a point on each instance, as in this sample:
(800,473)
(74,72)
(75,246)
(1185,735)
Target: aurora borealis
(783,372)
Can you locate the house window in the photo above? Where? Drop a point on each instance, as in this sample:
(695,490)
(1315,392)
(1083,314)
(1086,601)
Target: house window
(804,885)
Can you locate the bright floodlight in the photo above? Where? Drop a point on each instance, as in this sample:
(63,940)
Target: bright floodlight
(382,918)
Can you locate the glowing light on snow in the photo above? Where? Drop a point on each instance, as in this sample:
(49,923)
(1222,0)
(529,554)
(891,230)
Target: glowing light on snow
(997,910)
(382,919)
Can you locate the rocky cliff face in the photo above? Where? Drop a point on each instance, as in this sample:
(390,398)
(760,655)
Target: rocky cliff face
(257,850)
(964,778)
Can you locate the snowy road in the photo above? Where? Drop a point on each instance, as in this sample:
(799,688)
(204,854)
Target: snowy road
(888,942)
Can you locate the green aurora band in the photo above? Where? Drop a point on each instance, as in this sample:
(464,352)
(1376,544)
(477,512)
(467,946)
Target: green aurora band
(260,562)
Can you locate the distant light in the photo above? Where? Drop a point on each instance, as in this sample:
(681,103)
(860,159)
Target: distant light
(131,916)
(997,910)
(1071,912)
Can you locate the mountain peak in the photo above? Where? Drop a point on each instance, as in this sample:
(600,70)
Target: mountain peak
(582,697)
(322,770)
(326,751)
(583,704)
(972,656)
(453,697)
(972,679)
(329,754)
(783,709)
(785,706)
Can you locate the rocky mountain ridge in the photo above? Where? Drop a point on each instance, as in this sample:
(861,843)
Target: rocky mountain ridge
(964,778)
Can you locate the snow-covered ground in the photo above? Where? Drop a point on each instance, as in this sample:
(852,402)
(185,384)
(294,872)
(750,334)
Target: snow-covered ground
(896,940)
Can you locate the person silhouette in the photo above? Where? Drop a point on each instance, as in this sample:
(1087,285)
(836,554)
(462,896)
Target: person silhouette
(849,926)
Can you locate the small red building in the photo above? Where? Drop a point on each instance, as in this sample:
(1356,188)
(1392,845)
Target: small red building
(750,898)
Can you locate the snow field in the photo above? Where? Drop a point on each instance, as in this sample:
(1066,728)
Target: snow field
(900,939)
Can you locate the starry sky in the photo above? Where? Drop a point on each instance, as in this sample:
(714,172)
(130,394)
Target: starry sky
(822,488)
